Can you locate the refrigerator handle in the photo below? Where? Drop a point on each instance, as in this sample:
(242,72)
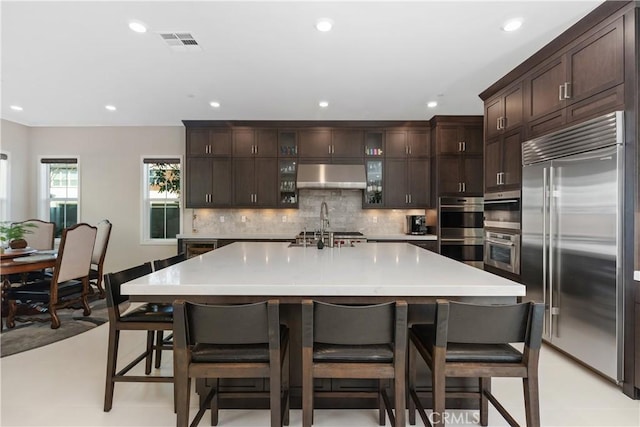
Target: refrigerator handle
(552,208)
(545,253)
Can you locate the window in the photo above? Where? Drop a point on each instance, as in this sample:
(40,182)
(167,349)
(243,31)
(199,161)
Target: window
(60,192)
(161,192)
(4,187)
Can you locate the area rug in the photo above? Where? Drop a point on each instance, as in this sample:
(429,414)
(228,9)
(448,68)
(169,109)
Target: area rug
(29,335)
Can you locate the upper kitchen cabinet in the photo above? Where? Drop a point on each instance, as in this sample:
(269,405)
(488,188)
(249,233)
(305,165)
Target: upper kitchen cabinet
(374,143)
(208,142)
(407,183)
(251,142)
(503,112)
(581,81)
(402,142)
(503,162)
(315,144)
(287,143)
(331,145)
(208,182)
(458,142)
(347,144)
(255,182)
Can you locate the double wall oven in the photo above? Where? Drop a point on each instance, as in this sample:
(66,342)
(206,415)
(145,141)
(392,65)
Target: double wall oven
(460,222)
(502,231)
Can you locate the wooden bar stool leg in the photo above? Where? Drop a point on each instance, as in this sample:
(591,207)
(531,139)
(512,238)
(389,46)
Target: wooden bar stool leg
(149,358)
(215,403)
(159,342)
(531,400)
(412,383)
(112,356)
(438,384)
(485,387)
(307,387)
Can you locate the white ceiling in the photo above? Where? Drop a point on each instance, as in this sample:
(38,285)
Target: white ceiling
(62,62)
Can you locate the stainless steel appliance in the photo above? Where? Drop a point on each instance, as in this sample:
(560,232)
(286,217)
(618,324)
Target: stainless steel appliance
(502,210)
(572,238)
(331,238)
(502,250)
(460,229)
(416,224)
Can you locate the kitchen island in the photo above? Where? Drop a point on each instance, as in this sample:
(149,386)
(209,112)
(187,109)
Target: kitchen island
(367,273)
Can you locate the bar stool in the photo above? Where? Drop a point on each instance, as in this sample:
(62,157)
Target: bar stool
(469,340)
(230,341)
(349,341)
(147,317)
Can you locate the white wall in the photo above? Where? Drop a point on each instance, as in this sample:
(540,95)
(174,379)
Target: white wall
(14,141)
(110,179)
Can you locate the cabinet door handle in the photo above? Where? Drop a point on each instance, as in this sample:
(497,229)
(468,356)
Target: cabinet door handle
(459,146)
(560,94)
(410,199)
(459,187)
(464,187)
(406,149)
(464,146)
(567,90)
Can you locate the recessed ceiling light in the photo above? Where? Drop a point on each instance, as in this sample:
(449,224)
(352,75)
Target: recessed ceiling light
(432,104)
(323,104)
(16,108)
(324,25)
(215,104)
(138,27)
(512,25)
(110,107)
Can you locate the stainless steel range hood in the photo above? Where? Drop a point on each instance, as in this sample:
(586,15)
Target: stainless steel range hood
(321,176)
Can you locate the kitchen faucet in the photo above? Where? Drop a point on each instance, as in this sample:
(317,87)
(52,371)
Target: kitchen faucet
(324,218)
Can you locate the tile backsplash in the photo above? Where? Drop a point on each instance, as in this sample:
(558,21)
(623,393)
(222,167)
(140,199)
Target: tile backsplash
(345,214)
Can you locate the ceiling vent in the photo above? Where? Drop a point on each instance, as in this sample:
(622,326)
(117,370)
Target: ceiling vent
(181,42)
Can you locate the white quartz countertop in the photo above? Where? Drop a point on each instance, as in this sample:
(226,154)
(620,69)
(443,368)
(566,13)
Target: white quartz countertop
(238,236)
(280,236)
(368,269)
(636,276)
(406,237)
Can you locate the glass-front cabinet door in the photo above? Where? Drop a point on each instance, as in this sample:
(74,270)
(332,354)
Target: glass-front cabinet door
(287,180)
(373,192)
(288,143)
(373,144)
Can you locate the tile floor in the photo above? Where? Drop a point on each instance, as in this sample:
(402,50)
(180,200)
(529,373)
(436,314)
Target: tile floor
(63,385)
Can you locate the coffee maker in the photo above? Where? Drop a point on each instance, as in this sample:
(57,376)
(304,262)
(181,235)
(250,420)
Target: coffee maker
(416,224)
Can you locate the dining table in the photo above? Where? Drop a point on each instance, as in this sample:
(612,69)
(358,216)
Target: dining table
(18,262)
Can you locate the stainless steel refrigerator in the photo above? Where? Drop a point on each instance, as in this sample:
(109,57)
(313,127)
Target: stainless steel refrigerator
(572,238)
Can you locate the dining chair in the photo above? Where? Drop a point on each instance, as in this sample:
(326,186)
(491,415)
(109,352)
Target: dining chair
(147,317)
(474,341)
(69,284)
(159,264)
(355,341)
(99,254)
(230,341)
(40,237)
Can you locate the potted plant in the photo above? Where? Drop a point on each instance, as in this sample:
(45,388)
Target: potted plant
(13,233)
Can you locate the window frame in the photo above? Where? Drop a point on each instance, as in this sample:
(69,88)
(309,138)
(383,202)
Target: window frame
(145,201)
(5,208)
(44,199)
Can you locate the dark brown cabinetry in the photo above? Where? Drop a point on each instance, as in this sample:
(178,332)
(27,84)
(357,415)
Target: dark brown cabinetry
(458,155)
(407,182)
(579,82)
(503,163)
(208,142)
(331,145)
(208,168)
(255,182)
(255,142)
(503,112)
(407,143)
(208,182)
